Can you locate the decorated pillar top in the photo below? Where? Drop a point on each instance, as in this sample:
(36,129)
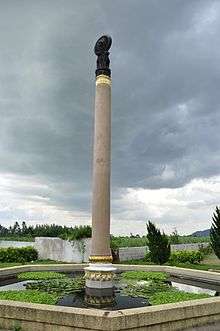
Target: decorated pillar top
(101,49)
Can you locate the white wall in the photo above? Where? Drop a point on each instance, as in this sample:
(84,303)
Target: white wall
(63,250)
(79,251)
(132,253)
(188,247)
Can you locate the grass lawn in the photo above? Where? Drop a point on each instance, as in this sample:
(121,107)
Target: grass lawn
(13,264)
(210,262)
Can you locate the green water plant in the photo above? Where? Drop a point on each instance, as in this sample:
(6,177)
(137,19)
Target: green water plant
(30,296)
(41,275)
(173,296)
(59,286)
(145,275)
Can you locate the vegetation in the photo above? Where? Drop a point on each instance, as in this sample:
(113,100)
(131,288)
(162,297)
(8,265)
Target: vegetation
(173,296)
(156,289)
(145,275)
(174,238)
(215,232)
(27,233)
(191,257)
(158,244)
(19,255)
(40,275)
(128,241)
(59,286)
(30,296)
(13,264)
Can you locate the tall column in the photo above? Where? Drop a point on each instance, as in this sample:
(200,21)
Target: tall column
(100,273)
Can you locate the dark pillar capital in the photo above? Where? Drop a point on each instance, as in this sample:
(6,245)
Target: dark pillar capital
(101,49)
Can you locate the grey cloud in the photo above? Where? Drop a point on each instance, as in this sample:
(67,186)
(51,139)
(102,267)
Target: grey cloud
(165,70)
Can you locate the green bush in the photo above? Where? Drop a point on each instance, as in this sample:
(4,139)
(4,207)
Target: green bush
(20,255)
(205,250)
(158,244)
(215,232)
(192,257)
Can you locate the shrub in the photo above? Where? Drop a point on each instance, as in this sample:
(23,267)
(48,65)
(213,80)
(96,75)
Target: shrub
(215,232)
(205,250)
(192,257)
(158,244)
(20,255)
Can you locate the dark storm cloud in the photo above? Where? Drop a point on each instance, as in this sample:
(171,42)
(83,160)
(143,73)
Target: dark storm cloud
(165,70)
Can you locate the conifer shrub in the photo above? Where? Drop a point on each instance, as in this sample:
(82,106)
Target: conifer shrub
(158,244)
(215,232)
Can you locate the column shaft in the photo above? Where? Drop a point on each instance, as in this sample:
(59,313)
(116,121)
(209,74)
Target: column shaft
(101,170)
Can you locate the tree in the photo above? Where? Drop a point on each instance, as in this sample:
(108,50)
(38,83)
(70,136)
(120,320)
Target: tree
(215,232)
(158,244)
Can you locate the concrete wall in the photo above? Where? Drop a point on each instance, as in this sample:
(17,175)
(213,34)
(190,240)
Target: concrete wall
(63,250)
(132,253)
(5,243)
(188,247)
(79,251)
(172,317)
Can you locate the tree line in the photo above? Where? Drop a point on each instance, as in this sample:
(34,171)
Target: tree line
(45,230)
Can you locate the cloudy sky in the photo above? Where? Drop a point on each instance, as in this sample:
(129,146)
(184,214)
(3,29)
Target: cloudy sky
(165,111)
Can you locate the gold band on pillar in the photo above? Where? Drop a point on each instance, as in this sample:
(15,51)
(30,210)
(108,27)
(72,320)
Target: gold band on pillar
(100,259)
(103,79)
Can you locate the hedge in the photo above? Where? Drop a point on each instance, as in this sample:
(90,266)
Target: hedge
(192,257)
(23,254)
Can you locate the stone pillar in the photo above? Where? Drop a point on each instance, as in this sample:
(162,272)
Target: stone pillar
(99,274)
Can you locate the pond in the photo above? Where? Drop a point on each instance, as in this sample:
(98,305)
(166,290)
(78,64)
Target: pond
(129,292)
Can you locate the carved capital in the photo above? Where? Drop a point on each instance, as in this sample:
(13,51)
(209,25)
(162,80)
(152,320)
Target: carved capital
(99,275)
(101,49)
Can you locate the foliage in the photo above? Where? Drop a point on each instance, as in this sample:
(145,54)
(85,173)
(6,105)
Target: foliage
(145,275)
(24,232)
(192,257)
(159,292)
(205,250)
(173,296)
(23,254)
(40,275)
(79,232)
(158,244)
(30,296)
(215,232)
(126,241)
(59,286)
(146,290)
(174,237)
(193,240)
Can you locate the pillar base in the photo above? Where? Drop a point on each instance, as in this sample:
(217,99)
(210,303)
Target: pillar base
(99,275)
